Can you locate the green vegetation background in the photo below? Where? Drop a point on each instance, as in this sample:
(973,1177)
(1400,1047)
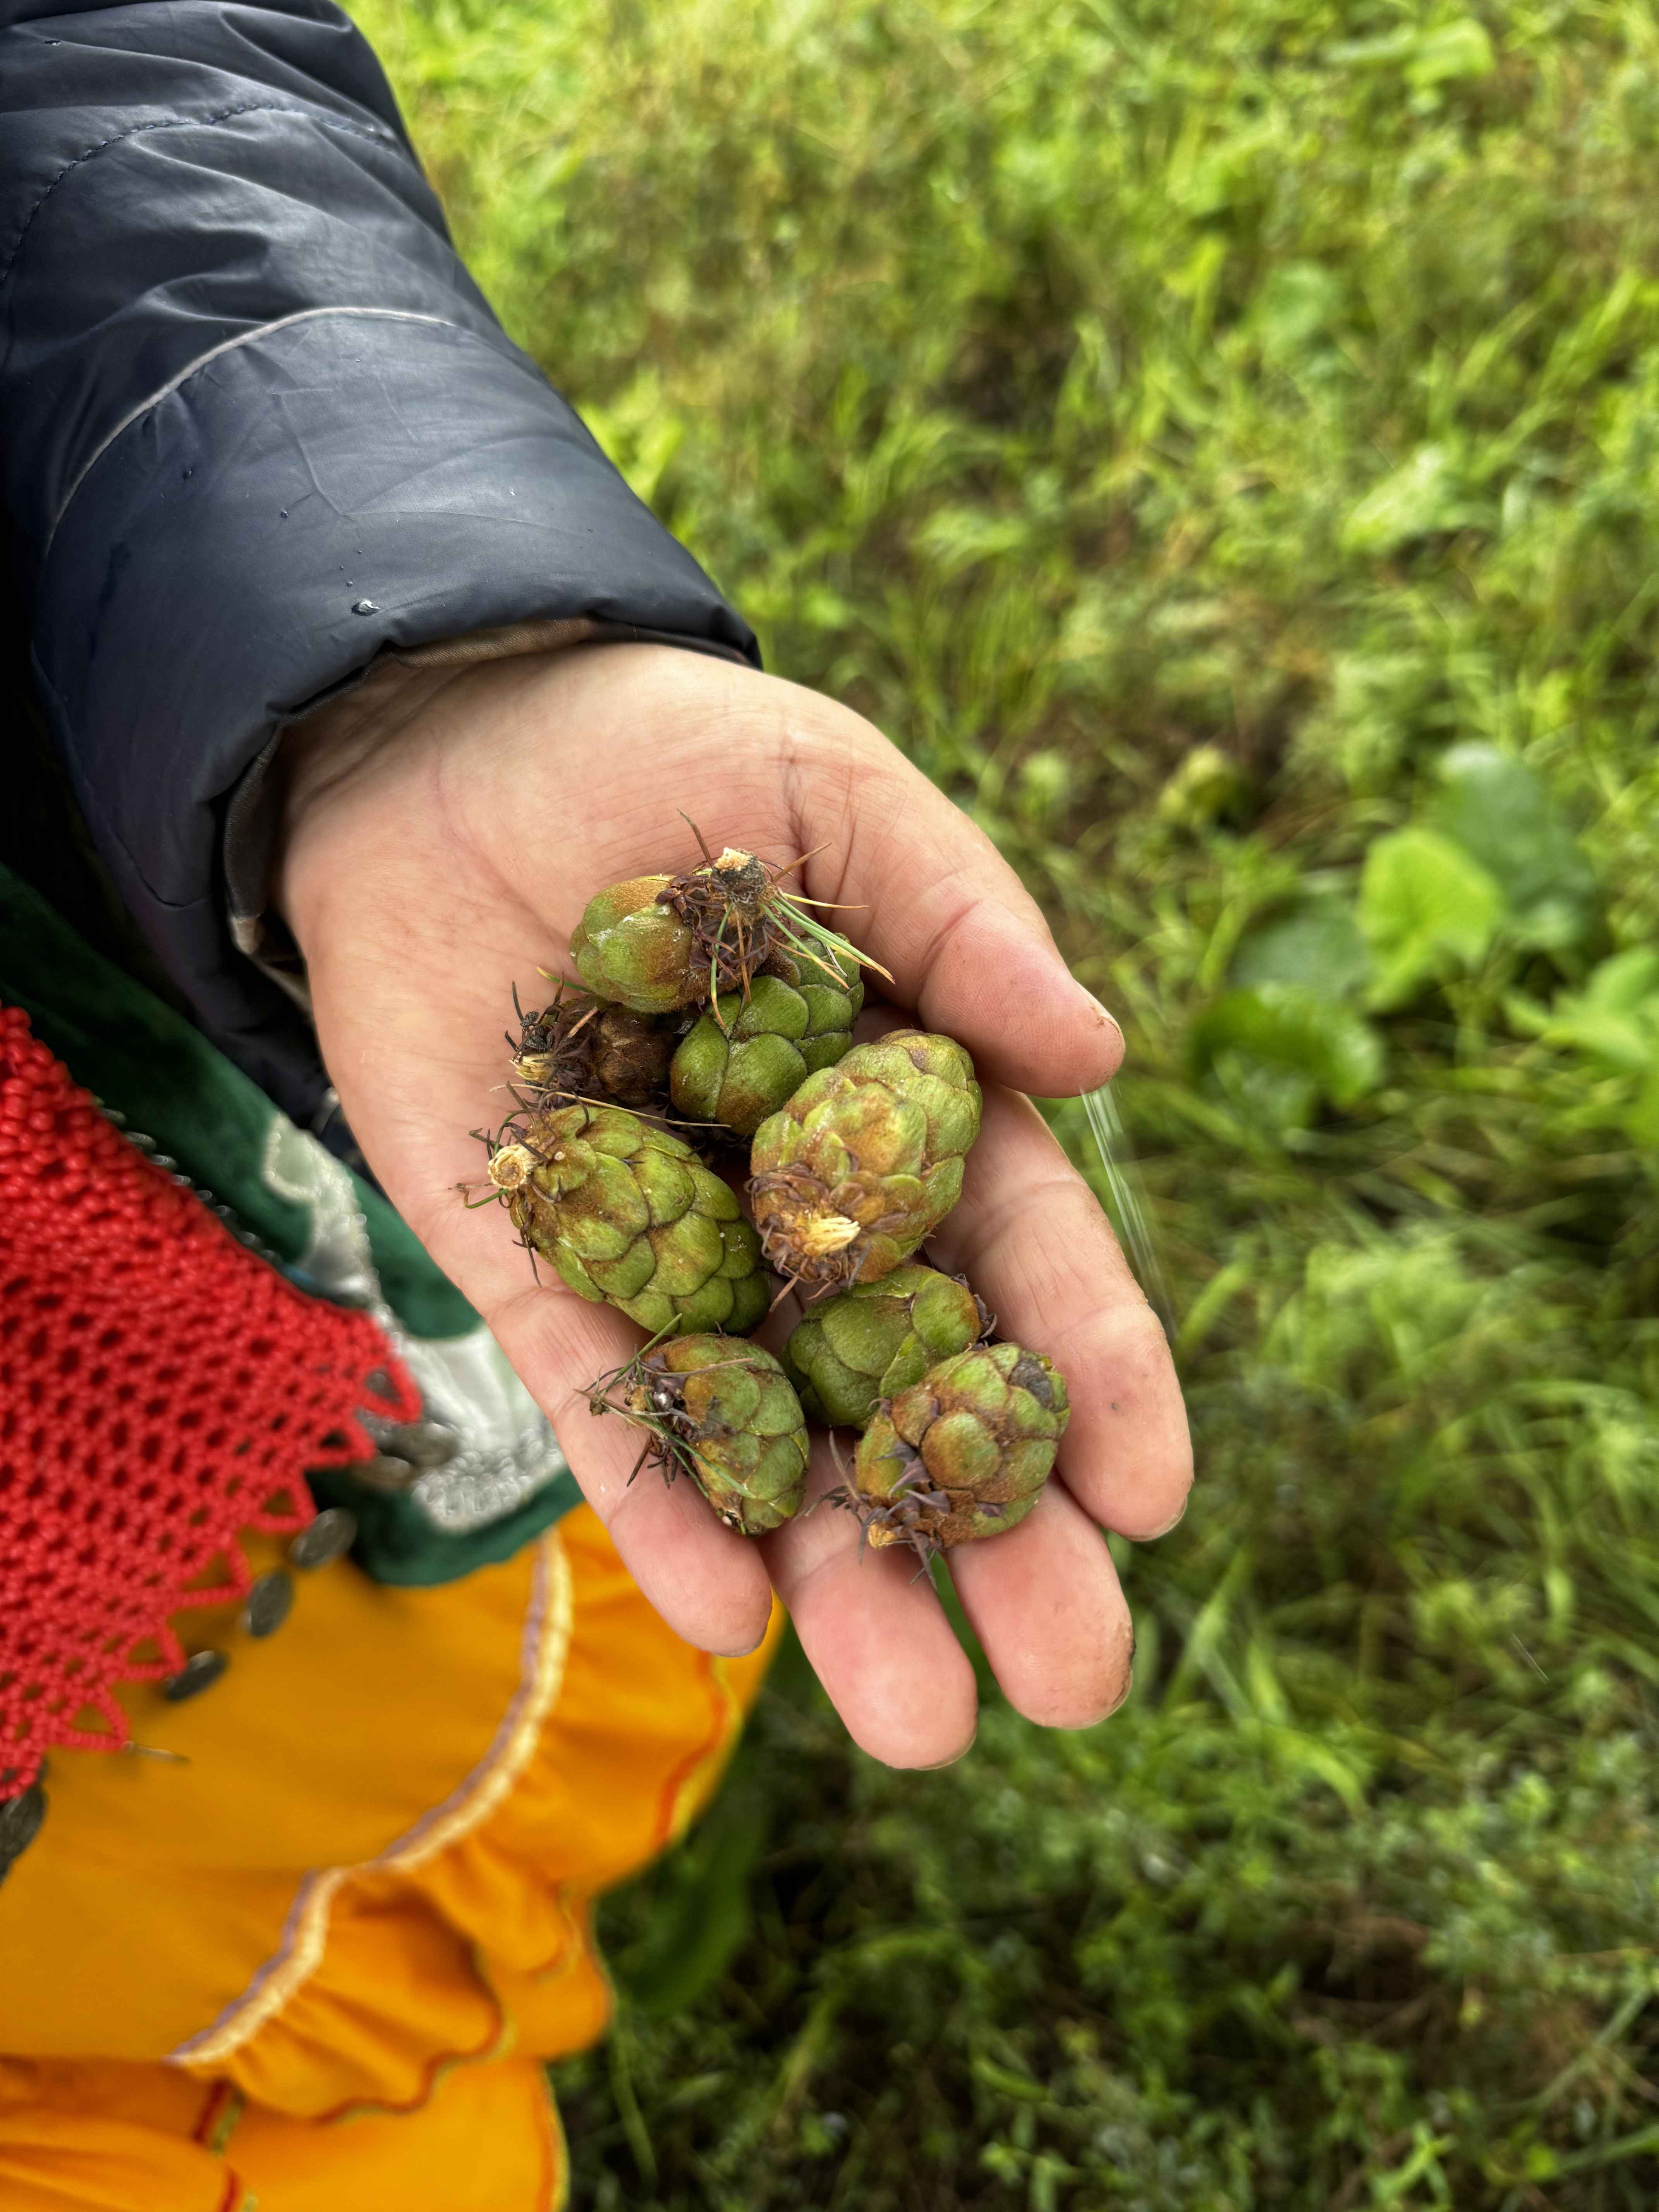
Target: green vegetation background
(1221,445)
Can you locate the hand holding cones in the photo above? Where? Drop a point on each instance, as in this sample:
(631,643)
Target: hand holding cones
(441,840)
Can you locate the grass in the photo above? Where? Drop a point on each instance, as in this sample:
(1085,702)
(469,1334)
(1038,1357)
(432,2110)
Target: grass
(1221,446)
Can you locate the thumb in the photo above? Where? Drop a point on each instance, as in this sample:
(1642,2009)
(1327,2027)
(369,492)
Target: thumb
(930,897)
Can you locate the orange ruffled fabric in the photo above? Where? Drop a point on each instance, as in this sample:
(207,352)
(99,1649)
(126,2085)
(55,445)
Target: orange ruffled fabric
(321,1964)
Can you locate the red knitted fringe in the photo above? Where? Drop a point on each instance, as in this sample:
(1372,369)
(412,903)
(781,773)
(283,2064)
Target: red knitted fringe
(161,1389)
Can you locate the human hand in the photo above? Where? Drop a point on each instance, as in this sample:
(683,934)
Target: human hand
(444,832)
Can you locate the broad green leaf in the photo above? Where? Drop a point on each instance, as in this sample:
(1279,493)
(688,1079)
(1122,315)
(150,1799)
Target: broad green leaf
(1642,1121)
(1300,304)
(1500,812)
(1624,983)
(1318,946)
(1428,908)
(1623,1044)
(1281,1051)
(1422,497)
(1614,1019)
(1460,49)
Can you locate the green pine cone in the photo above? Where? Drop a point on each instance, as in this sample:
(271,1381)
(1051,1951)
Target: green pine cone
(871,1342)
(721,1410)
(865,1159)
(658,942)
(628,1214)
(962,1453)
(744,1060)
(630,947)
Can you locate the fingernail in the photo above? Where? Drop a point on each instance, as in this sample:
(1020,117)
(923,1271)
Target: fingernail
(1174,1522)
(1097,1719)
(737,1650)
(1108,1021)
(933,1766)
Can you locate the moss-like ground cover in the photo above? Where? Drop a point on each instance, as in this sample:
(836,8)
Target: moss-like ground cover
(1222,445)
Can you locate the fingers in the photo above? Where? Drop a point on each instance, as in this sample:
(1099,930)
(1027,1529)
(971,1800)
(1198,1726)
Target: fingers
(1044,1598)
(876,1635)
(707,1583)
(502,830)
(1030,1238)
(1045,1605)
(937,904)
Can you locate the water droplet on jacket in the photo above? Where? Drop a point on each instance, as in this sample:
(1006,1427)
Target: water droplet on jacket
(364,607)
(282,514)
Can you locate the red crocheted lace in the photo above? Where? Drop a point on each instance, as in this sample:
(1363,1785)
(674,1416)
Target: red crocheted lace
(161,1389)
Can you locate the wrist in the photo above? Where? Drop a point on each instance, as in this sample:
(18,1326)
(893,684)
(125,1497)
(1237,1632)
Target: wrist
(324,773)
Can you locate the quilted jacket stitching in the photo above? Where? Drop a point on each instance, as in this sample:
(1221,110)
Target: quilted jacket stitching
(383,138)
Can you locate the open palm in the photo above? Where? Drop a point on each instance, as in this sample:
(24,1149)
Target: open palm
(441,844)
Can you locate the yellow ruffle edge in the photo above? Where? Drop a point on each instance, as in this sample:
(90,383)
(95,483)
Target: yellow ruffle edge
(315,1955)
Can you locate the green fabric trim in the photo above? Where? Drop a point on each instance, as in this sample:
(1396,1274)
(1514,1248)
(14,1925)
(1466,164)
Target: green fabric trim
(145,1061)
(141,1058)
(411,1282)
(396,1542)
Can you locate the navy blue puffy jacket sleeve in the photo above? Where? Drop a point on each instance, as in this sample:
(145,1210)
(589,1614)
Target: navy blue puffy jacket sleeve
(257,424)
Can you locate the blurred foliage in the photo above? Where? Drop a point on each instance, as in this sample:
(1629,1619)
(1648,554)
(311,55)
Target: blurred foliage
(1221,446)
